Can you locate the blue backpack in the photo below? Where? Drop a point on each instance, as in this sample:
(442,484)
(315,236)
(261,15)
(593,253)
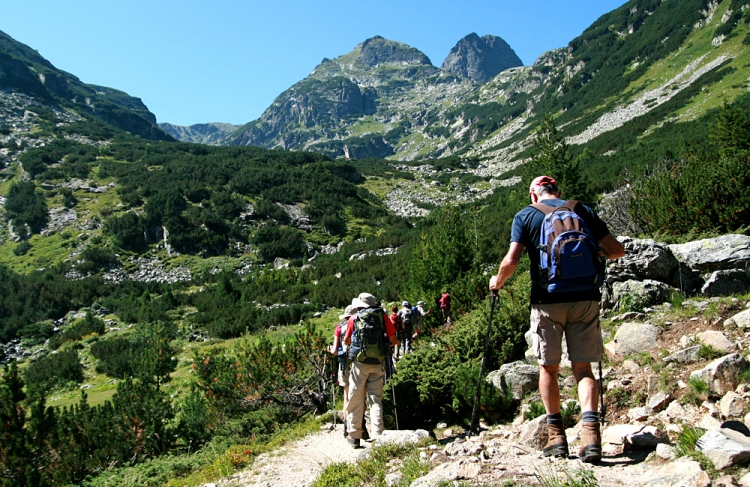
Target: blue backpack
(569,257)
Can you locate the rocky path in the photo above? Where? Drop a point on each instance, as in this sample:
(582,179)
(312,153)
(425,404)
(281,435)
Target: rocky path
(299,463)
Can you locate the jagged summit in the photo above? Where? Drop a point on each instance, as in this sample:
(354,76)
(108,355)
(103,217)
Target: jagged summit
(378,50)
(480,58)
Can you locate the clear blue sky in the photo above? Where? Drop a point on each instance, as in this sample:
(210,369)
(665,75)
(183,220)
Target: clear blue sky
(226,60)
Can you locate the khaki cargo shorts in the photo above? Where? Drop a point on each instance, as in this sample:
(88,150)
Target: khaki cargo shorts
(578,321)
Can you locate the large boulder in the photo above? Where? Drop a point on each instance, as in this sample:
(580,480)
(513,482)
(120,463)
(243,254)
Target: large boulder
(681,472)
(725,447)
(517,377)
(643,259)
(641,294)
(633,338)
(740,320)
(726,283)
(722,375)
(715,254)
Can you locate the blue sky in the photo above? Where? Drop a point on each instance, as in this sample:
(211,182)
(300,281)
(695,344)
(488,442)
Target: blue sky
(226,60)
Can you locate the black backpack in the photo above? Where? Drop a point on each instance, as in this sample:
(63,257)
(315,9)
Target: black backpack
(368,343)
(407,318)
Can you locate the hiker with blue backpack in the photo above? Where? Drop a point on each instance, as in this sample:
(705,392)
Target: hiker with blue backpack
(369,334)
(567,244)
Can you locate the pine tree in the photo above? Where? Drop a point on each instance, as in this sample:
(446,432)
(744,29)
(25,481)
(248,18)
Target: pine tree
(552,158)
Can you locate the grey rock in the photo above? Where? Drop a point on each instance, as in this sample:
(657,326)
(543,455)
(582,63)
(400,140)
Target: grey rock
(684,356)
(480,58)
(534,433)
(517,377)
(740,320)
(716,340)
(659,401)
(639,414)
(680,473)
(201,133)
(713,254)
(634,338)
(447,472)
(722,375)
(665,452)
(401,437)
(732,405)
(725,447)
(633,436)
(727,283)
(643,293)
(643,259)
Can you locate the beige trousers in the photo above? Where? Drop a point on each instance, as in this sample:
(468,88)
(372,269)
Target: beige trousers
(366,382)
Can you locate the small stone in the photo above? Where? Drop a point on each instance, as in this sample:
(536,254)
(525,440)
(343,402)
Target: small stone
(665,452)
(732,405)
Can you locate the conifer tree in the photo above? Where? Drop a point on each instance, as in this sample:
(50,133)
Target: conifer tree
(552,158)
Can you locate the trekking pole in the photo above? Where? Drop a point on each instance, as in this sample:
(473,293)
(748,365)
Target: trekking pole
(333,387)
(390,371)
(493,296)
(602,407)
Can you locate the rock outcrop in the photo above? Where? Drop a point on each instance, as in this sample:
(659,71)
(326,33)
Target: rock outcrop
(480,58)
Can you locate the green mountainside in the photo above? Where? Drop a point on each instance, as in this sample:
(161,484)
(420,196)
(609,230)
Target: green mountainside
(23,70)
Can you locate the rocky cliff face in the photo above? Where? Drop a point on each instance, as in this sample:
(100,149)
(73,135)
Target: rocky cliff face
(480,58)
(201,133)
(356,105)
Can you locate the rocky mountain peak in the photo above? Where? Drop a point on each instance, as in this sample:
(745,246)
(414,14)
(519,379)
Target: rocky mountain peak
(378,50)
(480,58)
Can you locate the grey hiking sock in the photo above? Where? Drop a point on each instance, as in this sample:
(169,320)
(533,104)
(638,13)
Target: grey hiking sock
(590,417)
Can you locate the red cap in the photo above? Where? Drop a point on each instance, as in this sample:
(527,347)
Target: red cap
(541,181)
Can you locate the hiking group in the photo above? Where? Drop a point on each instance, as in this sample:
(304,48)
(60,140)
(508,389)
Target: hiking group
(365,341)
(567,244)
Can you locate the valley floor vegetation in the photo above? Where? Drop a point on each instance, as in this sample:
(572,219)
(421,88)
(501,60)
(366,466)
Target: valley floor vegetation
(244,391)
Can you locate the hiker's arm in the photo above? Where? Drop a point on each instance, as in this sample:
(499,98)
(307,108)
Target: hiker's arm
(349,331)
(507,266)
(611,248)
(335,346)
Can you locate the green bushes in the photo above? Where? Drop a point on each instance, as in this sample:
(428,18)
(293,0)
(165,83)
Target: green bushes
(146,354)
(53,370)
(703,192)
(438,381)
(87,326)
(24,206)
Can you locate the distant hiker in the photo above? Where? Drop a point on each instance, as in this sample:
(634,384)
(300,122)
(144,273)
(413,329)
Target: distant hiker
(399,327)
(445,307)
(339,349)
(563,302)
(419,313)
(368,334)
(406,321)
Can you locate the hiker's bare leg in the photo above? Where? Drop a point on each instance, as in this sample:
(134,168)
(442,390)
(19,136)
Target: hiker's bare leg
(588,392)
(549,388)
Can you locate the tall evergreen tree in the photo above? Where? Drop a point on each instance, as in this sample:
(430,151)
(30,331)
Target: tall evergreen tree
(552,158)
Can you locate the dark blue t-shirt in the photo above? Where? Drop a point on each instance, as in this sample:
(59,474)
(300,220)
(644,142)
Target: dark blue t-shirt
(527,230)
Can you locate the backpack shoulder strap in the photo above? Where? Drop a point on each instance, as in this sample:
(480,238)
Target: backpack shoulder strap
(569,205)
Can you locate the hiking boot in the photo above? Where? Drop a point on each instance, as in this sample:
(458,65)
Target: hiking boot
(557,444)
(591,443)
(354,442)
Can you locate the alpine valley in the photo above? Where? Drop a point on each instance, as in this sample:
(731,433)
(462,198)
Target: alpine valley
(167,293)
